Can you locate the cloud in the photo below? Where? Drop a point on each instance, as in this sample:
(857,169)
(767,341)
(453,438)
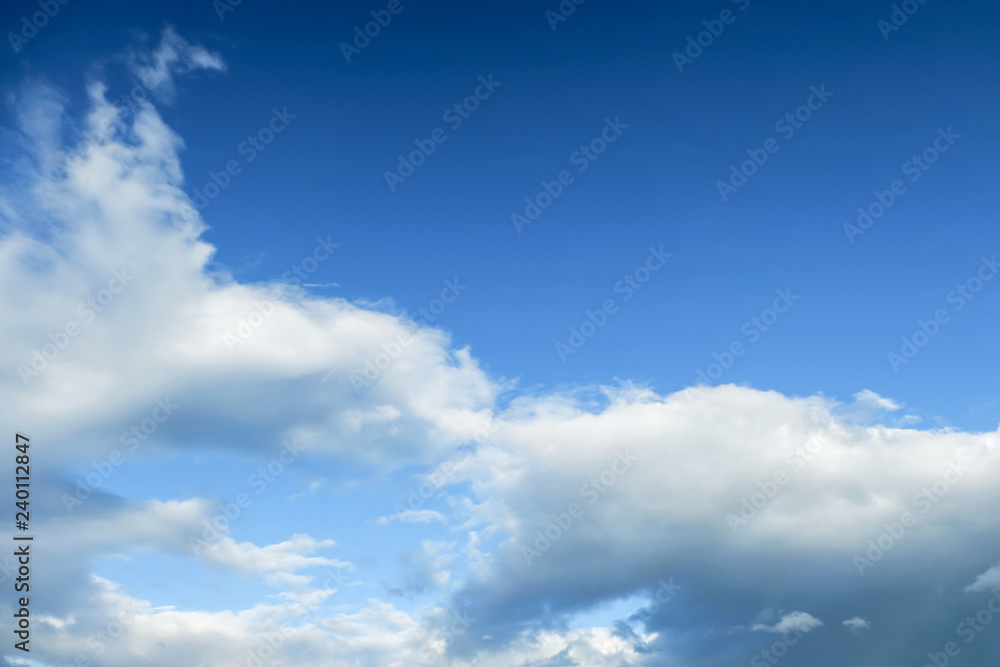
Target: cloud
(120,212)
(118,628)
(702,455)
(425,568)
(174,55)
(185,528)
(868,398)
(985,581)
(300,631)
(857,625)
(796,621)
(871,408)
(412,516)
(553,648)
(290,555)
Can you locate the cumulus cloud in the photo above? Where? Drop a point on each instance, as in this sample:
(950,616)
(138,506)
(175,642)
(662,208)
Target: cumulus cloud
(119,628)
(707,461)
(301,631)
(112,252)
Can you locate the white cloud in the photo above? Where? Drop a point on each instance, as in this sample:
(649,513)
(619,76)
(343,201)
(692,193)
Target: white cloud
(174,55)
(857,625)
(121,208)
(299,632)
(871,408)
(295,632)
(700,454)
(868,398)
(795,621)
(412,516)
(290,555)
(170,527)
(584,647)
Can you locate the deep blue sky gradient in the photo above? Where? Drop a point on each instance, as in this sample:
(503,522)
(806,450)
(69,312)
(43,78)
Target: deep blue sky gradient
(655,185)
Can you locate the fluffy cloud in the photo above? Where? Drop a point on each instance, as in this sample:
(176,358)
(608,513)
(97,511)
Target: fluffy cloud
(745,496)
(119,630)
(108,275)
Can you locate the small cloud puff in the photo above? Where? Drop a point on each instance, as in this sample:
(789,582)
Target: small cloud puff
(857,625)
(795,621)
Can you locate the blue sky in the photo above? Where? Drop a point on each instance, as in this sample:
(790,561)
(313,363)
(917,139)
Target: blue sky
(257,307)
(657,186)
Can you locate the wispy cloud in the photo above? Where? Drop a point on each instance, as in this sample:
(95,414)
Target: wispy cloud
(157,70)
